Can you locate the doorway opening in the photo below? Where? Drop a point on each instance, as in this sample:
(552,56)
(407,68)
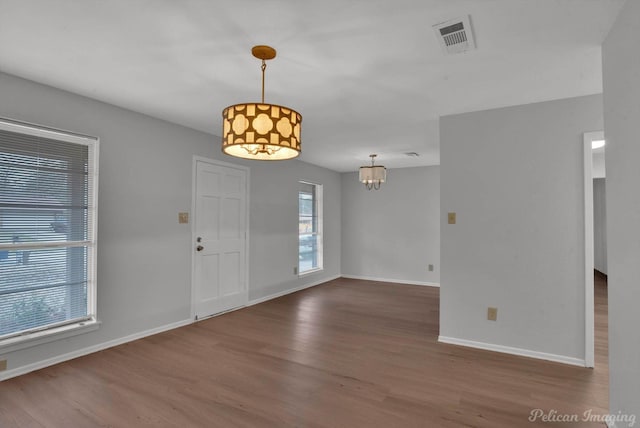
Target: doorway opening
(596,308)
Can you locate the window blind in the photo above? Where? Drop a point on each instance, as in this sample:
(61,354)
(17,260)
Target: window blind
(46,231)
(307,208)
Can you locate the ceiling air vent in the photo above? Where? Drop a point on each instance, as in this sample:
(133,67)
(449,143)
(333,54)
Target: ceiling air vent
(455,35)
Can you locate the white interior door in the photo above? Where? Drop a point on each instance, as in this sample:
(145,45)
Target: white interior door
(220,231)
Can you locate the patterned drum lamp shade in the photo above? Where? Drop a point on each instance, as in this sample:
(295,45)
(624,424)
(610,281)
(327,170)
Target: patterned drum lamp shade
(261,131)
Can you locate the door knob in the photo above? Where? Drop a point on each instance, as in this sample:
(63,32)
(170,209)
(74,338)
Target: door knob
(199,248)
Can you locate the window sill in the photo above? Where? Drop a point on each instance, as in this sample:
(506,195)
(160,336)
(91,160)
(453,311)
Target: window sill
(310,271)
(38,338)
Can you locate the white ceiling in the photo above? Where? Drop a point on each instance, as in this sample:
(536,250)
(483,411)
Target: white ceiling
(368,76)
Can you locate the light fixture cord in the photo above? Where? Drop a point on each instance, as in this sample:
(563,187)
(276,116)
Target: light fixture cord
(263,67)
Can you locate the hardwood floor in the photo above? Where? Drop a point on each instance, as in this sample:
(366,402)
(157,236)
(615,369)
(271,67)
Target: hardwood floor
(347,353)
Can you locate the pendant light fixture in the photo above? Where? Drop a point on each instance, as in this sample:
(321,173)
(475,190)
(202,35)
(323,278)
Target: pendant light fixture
(261,131)
(373,175)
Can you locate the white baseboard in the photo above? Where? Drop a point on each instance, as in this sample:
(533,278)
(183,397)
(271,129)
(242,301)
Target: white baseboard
(396,281)
(18,371)
(514,351)
(292,290)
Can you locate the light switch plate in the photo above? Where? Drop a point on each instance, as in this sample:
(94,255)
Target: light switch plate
(183,218)
(451,218)
(492,314)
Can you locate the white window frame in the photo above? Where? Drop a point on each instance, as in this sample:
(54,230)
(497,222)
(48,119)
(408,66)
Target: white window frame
(91,323)
(318,201)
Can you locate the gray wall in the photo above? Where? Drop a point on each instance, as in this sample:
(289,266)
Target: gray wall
(622,128)
(600,225)
(393,233)
(274,225)
(514,176)
(144,255)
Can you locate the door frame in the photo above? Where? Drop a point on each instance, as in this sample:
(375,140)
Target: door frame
(589,328)
(194,178)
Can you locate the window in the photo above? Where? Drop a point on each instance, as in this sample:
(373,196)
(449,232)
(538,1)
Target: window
(47,230)
(309,227)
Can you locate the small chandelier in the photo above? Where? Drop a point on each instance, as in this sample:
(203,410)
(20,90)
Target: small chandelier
(374,175)
(261,131)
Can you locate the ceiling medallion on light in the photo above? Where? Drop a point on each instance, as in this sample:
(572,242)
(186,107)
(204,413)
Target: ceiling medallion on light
(261,131)
(373,175)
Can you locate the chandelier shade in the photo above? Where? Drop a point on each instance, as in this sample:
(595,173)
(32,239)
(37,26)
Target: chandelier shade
(373,175)
(261,131)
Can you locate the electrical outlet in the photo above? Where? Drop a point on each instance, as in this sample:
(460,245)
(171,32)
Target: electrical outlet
(451,218)
(3,365)
(183,218)
(430,268)
(492,314)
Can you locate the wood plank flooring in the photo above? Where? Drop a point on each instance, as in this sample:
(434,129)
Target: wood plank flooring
(347,353)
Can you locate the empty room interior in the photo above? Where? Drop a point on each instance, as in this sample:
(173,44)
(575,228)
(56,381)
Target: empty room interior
(319,214)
